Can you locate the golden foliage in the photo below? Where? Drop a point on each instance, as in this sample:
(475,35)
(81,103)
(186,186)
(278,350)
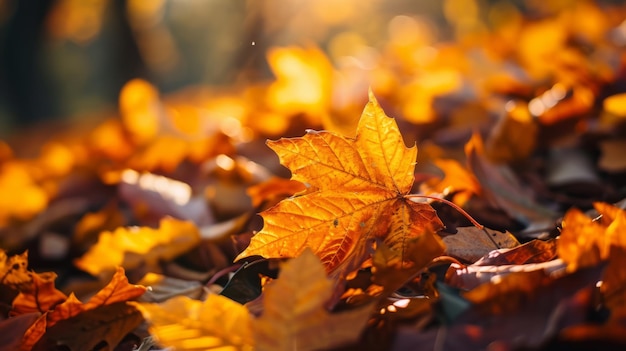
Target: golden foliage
(358,189)
(133,246)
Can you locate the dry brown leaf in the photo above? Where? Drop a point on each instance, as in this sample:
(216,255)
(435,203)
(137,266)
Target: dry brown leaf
(105,325)
(534,251)
(469,277)
(471,243)
(294,316)
(359,192)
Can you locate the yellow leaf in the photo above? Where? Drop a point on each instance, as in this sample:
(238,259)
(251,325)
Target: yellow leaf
(186,324)
(294,316)
(358,189)
(131,247)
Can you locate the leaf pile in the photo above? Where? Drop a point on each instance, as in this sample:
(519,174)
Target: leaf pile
(150,217)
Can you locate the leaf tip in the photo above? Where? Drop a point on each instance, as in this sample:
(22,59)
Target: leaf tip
(371,97)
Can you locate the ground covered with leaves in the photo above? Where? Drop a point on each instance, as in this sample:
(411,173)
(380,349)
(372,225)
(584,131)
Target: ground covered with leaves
(298,214)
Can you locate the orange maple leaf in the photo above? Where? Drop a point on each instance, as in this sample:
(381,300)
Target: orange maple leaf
(40,297)
(118,290)
(359,191)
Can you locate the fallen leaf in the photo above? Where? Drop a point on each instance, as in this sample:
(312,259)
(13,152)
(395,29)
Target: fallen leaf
(186,324)
(469,277)
(534,251)
(133,246)
(529,319)
(40,297)
(91,329)
(68,309)
(294,316)
(501,187)
(471,243)
(360,193)
(118,290)
(582,242)
(12,328)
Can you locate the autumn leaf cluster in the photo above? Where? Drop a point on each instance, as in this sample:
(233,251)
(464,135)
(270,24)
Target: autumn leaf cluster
(175,223)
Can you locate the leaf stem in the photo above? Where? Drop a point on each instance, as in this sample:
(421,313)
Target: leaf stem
(451,204)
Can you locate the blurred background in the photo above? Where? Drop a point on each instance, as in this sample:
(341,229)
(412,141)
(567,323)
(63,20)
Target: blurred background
(69,59)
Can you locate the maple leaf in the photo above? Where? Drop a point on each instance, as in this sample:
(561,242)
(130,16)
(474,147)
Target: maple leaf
(359,191)
(41,297)
(294,316)
(118,290)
